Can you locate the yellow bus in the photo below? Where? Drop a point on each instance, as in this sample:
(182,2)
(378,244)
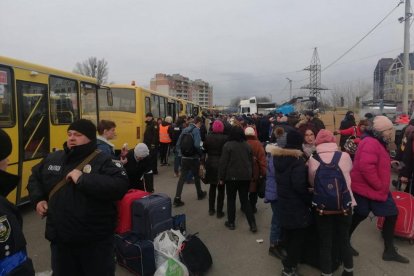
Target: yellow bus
(37,103)
(127,105)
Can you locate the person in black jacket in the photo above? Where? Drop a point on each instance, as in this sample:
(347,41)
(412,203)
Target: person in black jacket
(81,215)
(213,146)
(13,255)
(294,198)
(138,167)
(152,139)
(347,122)
(235,171)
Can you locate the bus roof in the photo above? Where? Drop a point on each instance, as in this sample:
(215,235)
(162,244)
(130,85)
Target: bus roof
(43,69)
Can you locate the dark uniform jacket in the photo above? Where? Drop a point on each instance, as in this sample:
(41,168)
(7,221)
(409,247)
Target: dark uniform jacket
(12,241)
(292,188)
(151,134)
(82,212)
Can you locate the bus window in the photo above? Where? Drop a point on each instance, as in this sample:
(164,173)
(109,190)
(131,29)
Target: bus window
(147,105)
(88,102)
(122,100)
(155,107)
(63,100)
(33,102)
(245,110)
(162,107)
(195,111)
(6,98)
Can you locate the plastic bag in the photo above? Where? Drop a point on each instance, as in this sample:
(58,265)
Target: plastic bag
(172,267)
(169,243)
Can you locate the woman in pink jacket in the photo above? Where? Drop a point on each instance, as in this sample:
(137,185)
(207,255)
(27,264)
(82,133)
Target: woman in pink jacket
(371,176)
(333,226)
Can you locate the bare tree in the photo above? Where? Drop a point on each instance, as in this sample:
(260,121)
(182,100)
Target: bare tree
(94,68)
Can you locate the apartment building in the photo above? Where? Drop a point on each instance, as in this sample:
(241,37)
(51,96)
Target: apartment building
(179,86)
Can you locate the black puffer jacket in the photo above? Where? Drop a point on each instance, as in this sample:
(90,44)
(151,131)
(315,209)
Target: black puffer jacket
(213,146)
(236,162)
(292,187)
(81,212)
(152,134)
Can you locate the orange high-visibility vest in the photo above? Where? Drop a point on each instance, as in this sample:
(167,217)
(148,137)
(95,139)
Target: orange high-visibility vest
(164,136)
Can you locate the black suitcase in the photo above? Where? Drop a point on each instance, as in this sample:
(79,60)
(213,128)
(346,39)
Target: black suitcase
(135,255)
(151,215)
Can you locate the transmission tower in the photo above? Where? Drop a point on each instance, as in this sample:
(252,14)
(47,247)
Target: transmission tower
(314,85)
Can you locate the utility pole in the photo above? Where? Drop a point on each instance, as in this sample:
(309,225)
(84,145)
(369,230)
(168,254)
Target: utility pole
(290,88)
(406,55)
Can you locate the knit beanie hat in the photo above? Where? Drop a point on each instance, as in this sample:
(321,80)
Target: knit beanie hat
(141,150)
(294,140)
(249,131)
(5,145)
(382,123)
(325,136)
(218,126)
(85,127)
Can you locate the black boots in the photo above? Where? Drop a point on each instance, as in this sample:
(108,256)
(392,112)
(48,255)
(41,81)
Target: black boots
(391,254)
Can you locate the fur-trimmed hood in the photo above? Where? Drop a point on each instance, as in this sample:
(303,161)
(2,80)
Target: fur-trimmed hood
(278,151)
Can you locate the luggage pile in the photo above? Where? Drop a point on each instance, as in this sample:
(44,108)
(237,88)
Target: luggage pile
(150,241)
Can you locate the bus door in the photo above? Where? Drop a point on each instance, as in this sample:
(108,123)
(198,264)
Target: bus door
(171,110)
(34,136)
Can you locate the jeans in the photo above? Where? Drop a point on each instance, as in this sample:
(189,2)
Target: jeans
(332,227)
(275,229)
(187,165)
(164,151)
(232,187)
(177,162)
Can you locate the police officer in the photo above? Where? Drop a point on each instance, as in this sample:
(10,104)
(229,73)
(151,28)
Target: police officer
(152,139)
(81,215)
(13,257)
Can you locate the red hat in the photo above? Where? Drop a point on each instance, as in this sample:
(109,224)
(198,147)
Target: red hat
(325,136)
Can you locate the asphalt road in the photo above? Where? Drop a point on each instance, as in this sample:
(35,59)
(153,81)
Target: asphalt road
(235,252)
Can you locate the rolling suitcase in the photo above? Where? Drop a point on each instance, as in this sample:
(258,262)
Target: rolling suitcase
(404,227)
(151,215)
(124,207)
(135,255)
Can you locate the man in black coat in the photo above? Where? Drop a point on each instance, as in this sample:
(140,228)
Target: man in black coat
(152,139)
(13,256)
(81,215)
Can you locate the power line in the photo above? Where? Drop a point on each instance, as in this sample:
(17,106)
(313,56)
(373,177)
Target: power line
(359,41)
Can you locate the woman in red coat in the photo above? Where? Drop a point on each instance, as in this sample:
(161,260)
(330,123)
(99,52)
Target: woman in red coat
(370,182)
(259,165)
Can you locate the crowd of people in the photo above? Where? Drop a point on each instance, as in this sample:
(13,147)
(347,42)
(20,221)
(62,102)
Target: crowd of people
(75,189)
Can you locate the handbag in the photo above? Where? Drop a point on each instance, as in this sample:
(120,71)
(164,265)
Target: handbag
(350,146)
(202,174)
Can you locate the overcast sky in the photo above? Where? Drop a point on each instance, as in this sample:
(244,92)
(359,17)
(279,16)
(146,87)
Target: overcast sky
(242,48)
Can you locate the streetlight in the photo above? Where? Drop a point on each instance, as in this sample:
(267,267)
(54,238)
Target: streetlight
(290,88)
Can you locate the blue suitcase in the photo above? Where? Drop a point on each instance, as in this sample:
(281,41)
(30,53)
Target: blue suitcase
(151,215)
(135,255)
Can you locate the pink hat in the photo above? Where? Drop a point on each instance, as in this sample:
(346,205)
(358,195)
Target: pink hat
(382,123)
(218,126)
(324,136)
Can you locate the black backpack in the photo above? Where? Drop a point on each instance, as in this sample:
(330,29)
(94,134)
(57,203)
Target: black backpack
(187,143)
(195,255)
(331,192)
